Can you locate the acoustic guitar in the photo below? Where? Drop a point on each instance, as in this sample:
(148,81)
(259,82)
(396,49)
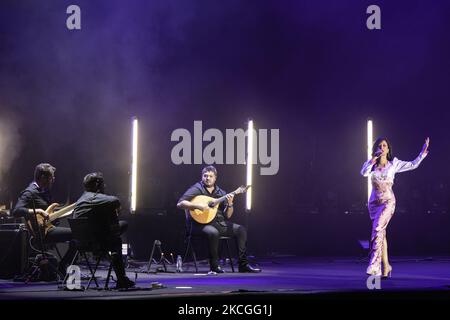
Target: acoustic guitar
(46,224)
(212,204)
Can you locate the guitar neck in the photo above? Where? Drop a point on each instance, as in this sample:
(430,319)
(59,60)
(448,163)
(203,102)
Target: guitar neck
(222,199)
(55,215)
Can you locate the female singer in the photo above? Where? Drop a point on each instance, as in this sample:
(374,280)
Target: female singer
(382,169)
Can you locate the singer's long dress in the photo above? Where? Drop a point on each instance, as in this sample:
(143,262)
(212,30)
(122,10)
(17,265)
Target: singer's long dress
(382,203)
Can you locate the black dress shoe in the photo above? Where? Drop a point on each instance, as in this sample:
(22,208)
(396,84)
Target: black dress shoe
(248,268)
(124,283)
(217,270)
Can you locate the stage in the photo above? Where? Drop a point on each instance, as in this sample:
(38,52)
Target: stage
(282,277)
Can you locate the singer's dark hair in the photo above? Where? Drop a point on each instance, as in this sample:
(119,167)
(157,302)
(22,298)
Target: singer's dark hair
(210,169)
(375,148)
(93,182)
(44,170)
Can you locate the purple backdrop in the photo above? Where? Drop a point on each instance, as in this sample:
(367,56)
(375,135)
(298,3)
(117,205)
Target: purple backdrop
(310,68)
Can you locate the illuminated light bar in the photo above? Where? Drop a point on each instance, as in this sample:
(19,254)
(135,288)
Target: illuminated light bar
(134,161)
(248,202)
(369,154)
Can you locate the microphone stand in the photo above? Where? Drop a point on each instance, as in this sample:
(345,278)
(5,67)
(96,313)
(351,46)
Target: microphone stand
(163,260)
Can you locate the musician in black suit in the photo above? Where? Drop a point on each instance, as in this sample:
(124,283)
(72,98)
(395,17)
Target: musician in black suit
(38,195)
(220,225)
(102,211)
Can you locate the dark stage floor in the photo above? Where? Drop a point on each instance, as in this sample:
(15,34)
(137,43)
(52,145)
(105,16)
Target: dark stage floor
(282,276)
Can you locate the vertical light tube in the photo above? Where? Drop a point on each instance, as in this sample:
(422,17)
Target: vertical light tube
(369,153)
(248,202)
(134,160)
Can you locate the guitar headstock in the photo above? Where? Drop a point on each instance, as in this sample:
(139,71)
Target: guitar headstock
(241,189)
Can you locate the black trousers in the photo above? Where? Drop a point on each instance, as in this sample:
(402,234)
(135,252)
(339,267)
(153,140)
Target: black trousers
(214,230)
(61,234)
(114,241)
(114,244)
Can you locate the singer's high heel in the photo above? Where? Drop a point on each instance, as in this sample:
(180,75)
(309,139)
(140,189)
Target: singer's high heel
(387,274)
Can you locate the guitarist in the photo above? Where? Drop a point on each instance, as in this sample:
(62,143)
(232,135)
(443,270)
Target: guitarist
(220,225)
(102,210)
(38,192)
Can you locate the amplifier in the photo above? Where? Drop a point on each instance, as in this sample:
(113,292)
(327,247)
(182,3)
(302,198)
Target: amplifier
(12,226)
(13,250)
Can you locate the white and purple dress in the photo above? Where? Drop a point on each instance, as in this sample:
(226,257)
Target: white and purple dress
(382,203)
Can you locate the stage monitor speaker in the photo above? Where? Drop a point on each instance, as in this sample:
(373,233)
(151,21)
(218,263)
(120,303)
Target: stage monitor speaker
(13,250)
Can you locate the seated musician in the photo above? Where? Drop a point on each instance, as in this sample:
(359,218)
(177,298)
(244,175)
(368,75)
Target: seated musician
(37,195)
(102,211)
(219,226)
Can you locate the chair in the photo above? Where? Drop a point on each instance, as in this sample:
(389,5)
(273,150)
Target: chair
(86,240)
(36,251)
(189,246)
(47,245)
